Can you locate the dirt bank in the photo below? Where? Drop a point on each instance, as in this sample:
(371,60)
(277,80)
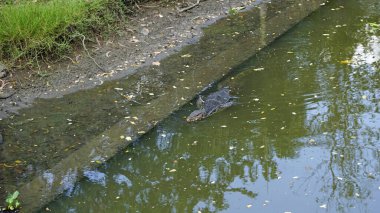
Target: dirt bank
(153,33)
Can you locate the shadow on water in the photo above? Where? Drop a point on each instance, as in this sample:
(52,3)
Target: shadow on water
(305,133)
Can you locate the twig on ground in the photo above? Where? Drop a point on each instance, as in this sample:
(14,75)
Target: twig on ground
(88,53)
(189,7)
(137,6)
(2,85)
(72,60)
(2,95)
(149,6)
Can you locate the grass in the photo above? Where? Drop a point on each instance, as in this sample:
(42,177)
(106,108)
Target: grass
(31,30)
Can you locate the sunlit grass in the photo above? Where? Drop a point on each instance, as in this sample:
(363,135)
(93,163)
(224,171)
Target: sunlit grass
(28,28)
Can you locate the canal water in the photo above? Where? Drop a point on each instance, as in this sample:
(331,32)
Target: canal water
(304,135)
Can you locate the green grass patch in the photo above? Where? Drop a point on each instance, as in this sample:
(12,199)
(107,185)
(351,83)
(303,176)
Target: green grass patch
(34,30)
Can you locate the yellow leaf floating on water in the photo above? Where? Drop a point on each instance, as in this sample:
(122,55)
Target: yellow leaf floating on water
(18,161)
(346,62)
(173,170)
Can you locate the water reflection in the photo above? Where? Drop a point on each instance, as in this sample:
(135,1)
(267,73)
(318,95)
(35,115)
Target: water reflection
(305,134)
(84,129)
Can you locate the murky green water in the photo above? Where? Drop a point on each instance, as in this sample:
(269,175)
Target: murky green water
(49,146)
(304,137)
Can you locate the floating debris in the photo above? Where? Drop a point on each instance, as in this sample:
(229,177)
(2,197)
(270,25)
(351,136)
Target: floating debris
(258,69)
(345,61)
(312,141)
(186,56)
(156,63)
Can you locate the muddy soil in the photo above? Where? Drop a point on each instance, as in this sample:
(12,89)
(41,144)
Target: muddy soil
(152,34)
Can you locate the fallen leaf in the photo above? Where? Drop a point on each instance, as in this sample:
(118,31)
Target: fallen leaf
(346,62)
(186,56)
